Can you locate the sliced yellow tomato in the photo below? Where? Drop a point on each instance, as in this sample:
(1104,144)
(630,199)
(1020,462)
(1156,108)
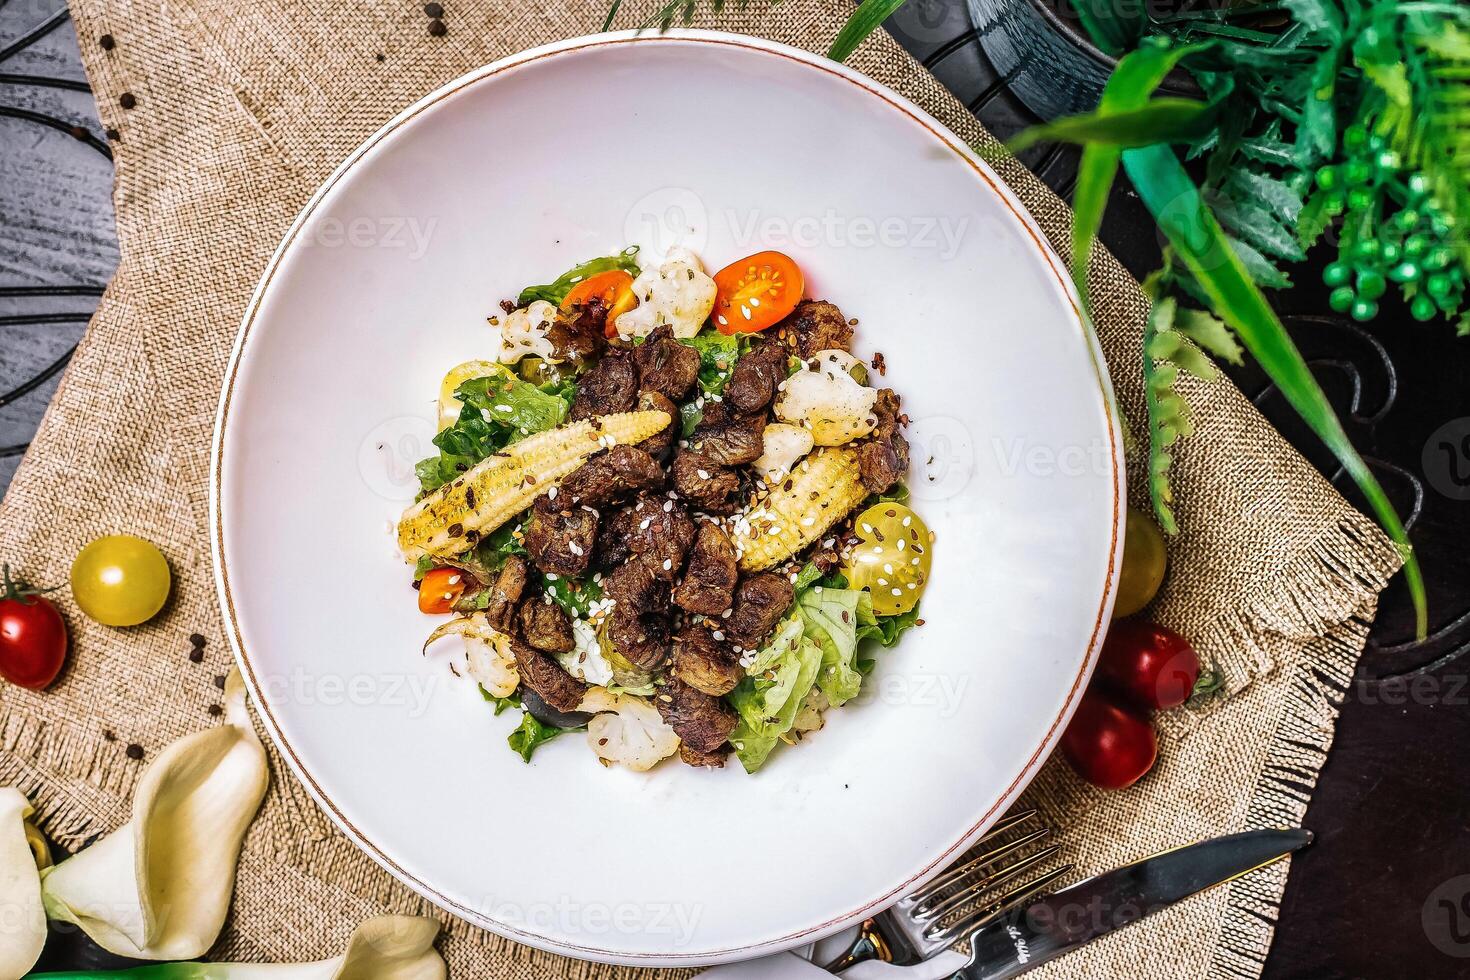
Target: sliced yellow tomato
(449,406)
(892,557)
(1144,560)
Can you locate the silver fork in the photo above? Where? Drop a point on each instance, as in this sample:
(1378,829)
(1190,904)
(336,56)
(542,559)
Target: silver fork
(934,918)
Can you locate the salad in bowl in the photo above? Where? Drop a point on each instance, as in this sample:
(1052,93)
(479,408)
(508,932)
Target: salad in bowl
(670,512)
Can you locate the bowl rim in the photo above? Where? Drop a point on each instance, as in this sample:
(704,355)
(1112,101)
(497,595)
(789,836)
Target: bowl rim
(992,812)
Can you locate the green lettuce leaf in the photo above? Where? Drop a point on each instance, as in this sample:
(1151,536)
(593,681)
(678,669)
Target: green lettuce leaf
(767,700)
(883,630)
(495,412)
(575,598)
(831,621)
(514,701)
(532,734)
(513,407)
(717,356)
(555,292)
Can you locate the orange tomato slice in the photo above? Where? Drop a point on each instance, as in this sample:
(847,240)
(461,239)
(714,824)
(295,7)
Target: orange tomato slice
(614,287)
(756,292)
(440,590)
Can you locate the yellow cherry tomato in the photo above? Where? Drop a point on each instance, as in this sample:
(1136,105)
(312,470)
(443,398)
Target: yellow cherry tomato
(120,580)
(1144,562)
(449,406)
(892,557)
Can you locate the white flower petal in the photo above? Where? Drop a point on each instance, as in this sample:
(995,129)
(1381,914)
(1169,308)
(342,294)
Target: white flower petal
(24,925)
(158,888)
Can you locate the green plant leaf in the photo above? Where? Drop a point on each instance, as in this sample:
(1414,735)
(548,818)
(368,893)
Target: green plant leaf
(1258,227)
(1319,16)
(1284,202)
(1191,359)
(1159,121)
(1201,243)
(866,19)
(1128,90)
(1210,332)
(1316,135)
(1113,27)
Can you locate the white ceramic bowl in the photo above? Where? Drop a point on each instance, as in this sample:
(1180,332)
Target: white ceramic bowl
(508,176)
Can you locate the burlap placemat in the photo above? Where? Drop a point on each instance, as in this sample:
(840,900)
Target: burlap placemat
(238,111)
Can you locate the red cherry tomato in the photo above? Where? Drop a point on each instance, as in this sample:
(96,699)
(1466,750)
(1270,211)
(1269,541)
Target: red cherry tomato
(1109,745)
(440,590)
(613,287)
(756,292)
(1148,664)
(32,637)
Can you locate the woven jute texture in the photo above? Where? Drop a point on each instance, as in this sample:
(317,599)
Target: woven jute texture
(239,111)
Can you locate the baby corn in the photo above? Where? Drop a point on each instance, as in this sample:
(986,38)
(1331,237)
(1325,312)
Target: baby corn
(453,517)
(823,489)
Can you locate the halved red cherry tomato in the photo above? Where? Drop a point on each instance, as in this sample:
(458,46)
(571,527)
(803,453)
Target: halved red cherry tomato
(1149,664)
(1109,745)
(614,287)
(440,590)
(32,636)
(756,292)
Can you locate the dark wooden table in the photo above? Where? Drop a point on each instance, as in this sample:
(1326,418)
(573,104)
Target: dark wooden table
(1385,891)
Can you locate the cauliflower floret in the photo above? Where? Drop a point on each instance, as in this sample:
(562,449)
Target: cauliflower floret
(828,400)
(524,332)
(678,293)
(627,730)
(487,652)
(809,715)
(782,445)
(585,661)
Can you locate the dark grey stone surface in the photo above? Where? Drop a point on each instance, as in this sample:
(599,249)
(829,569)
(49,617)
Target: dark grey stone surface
(55,214)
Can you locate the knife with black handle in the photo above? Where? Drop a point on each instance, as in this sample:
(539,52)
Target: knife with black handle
(1074,916)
